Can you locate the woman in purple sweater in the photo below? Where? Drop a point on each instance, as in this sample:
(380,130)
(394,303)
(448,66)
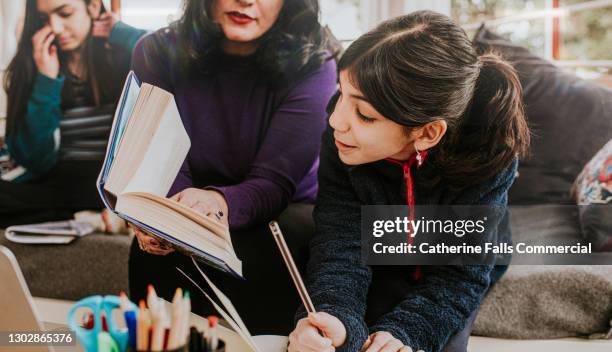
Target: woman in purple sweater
(251,80)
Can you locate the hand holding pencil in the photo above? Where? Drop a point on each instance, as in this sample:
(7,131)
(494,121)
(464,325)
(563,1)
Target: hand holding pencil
(319,330)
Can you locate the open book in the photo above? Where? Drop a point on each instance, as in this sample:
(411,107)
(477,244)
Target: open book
(147,146)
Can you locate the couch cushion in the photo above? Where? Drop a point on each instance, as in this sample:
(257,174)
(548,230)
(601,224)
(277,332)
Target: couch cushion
(592,191)
(548,301)
(570,120)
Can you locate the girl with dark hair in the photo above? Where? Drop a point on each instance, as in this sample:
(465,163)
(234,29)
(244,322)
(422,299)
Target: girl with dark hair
(251,79)
(68,72)
(421,119)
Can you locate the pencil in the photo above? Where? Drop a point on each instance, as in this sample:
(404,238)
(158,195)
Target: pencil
(295,274)
(151,298)
(184,332)
(175,318)
(142,336)
(130,319)
(124,302)
(159,318)
(213,339)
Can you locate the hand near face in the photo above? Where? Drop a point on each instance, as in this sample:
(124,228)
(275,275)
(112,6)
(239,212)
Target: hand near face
(44,52)
(103,26)
(306,336)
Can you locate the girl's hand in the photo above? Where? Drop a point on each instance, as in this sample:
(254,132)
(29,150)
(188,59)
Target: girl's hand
(210,203)
(383,341)
(151,244)
(103,26)
(306,336)
(44,52)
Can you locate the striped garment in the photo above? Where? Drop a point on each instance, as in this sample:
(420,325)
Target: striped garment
(83,133)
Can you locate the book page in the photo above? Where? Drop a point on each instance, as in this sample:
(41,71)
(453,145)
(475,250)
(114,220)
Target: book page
(164,156)
(169,221)
(129,96)
(131,149)
(215,227)
(231,315)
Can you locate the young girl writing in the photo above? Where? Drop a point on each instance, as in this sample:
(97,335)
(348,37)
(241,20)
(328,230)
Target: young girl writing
(420,119)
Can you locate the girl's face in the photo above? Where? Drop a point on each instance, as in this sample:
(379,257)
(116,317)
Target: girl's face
(70,20)
(245,21)
(362,134)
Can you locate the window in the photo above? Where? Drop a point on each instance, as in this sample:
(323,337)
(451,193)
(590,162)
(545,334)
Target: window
(150,14)
(344,18)
(574,34)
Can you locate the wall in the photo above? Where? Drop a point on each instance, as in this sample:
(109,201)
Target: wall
(10,16)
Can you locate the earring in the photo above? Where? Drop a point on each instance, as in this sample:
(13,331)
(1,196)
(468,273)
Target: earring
(419,157)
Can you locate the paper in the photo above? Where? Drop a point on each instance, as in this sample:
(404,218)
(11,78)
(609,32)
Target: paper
(232,318)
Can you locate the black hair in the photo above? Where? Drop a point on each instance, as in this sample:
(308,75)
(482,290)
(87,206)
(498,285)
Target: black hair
(422,67)
(103,74)
(296,44)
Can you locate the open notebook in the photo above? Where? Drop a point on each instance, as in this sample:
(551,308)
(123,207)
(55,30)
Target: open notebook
(147,146)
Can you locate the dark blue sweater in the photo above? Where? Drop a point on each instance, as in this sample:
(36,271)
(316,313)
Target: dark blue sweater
(429,311)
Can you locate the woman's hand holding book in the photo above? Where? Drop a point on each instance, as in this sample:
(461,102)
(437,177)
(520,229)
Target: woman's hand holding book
(207,202)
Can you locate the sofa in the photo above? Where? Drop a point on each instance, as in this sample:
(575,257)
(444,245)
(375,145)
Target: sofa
(570,120)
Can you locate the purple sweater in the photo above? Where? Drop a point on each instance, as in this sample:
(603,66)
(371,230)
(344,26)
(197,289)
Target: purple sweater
(256,144)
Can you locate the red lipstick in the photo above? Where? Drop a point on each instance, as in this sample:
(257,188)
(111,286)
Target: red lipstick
(239,18)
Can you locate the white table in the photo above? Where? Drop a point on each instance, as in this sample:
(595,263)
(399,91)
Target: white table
(55,312)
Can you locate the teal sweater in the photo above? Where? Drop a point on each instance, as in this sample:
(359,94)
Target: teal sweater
(36,145)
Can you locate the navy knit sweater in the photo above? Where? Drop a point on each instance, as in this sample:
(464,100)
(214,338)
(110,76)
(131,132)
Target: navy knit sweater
(429,310)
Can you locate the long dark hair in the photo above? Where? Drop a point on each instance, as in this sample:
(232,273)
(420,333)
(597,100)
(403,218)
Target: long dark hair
(103,74)
(295,45)
(422,67)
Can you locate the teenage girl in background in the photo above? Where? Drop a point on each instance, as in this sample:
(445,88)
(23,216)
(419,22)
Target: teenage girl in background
(62,85)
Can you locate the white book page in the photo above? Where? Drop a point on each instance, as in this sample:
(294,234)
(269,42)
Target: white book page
(246,336)
(225,301)
(164,157)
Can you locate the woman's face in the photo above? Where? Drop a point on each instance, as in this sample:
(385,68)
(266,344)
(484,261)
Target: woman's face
(361,133)
(245,21)
(69,20)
